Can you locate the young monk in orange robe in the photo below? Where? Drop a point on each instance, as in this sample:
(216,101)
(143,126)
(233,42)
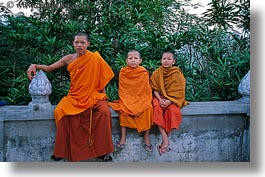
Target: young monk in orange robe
(83,118)
(135,103)
(168,85)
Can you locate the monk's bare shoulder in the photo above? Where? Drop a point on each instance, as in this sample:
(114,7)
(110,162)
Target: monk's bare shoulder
(68,58)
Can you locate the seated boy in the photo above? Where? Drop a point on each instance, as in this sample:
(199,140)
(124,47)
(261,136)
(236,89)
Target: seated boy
(135,103)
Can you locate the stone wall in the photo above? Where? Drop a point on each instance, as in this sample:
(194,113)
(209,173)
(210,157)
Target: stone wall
(210,132)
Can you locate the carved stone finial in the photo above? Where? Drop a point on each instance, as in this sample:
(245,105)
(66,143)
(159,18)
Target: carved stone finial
(40,88)
(244,88)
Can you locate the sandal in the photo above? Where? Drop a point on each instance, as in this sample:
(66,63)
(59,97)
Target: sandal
(148,148)
(106,158)
(159,150)
(120,146)
(162,150)
(165,149)
(56,158)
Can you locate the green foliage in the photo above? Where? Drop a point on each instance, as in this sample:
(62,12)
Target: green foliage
(214,65)
(214,60)
(229,13)
(112,91)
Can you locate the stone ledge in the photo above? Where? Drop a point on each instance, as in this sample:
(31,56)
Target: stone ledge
(28,136)
(16,113)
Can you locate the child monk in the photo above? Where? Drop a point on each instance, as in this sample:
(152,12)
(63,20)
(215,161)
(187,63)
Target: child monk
(168,85)
(135,99)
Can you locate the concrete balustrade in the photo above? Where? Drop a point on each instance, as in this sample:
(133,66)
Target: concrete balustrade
(210,132)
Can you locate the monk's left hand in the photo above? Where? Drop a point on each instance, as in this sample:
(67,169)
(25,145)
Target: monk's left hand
(165,103)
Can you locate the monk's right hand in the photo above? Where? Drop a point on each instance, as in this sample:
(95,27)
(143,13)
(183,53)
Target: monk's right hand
(163,103)
(31,72)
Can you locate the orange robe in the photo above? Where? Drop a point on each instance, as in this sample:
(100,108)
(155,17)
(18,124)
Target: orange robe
(135,103)
(171,84)
(83,115)
(89,74)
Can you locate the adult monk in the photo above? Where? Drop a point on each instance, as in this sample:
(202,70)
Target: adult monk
(135,99)
(83,118)
(168,85)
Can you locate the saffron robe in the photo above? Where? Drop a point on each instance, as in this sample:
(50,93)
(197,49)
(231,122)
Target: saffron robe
(135,99)
(89,75)
(170,83)
(83,115)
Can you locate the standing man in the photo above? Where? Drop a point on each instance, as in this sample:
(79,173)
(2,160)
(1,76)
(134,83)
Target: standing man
(83,118)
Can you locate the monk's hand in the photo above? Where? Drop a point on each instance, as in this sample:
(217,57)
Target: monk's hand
(167,103)
(31,72)
(162,103)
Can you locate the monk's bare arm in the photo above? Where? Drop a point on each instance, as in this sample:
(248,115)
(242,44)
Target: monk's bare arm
(31,72)
(157,95)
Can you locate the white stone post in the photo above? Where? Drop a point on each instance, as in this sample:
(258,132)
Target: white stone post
(40,88)
(244,88)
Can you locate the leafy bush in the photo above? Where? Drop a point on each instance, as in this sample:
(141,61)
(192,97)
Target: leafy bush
(213,60)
